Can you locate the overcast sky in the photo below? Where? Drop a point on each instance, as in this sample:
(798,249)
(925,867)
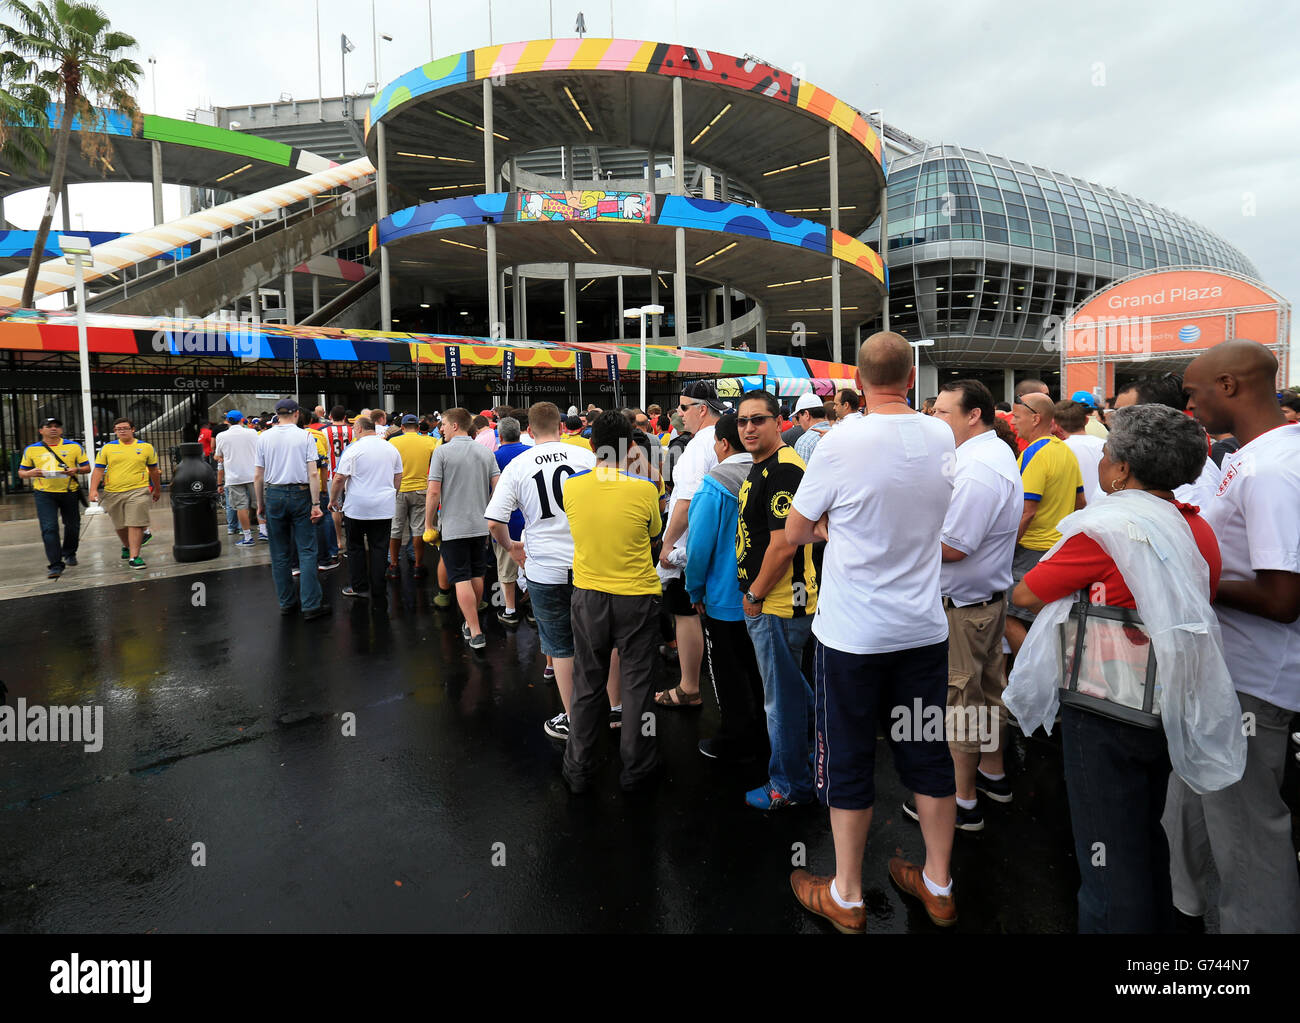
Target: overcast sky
(1192,106)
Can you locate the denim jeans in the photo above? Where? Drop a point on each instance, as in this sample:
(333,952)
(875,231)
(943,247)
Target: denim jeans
(232,516)
(1116,777)
(49,506)
(289,525)
(327,538)
(787,701)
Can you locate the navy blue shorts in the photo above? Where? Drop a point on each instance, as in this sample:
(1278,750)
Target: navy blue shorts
(906,692)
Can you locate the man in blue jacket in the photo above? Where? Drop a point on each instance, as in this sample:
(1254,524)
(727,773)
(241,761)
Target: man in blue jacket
(711,587)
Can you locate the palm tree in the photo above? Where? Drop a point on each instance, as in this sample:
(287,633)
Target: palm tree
(66,52)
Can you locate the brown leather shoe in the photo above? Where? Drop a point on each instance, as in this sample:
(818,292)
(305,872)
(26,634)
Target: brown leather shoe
(941,909)
(814,894)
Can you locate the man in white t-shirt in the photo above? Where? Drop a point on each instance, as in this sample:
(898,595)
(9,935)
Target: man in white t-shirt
(236,452)
(371,470)
(878,490)
(533,483)
(978,545)
(1070,425)
(1255,513)
(1167,389)
(700,409)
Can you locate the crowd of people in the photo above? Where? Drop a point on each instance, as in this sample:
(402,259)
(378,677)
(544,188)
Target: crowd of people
(1128,571)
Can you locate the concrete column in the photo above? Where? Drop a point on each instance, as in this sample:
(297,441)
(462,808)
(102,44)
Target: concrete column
(571,306)
(568,167)
(679,143)
(622,323)
(494,313)
(67,211)
(928,381)
(654,300)
(706,308)
(760,331)
(522,285)
(385,270)
(1009,385)
(288,300)
(837,340)
(315,294)
(515,291)
(679,282)
(726,317)
(155,152)
(490,179)
(255,305)
(514,174)
(650,170)
(724,182)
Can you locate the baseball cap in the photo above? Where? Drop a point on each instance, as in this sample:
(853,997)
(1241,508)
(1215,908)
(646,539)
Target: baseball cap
(234,415)
(703,390)
(286,405)
(51,422)
(409,420)
(807,401)
(1085,398)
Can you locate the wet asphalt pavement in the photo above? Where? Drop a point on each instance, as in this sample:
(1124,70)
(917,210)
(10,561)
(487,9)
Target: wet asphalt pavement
(224,725)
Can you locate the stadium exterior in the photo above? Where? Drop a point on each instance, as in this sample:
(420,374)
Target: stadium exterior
(988,255)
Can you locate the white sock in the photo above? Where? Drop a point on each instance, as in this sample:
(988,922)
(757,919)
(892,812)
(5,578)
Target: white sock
(248,534)
(509,610)
(991,777)
(967,804)
(616,710)
(840,901)
(934,889)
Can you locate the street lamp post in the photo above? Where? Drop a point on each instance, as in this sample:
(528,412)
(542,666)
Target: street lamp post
(77,252)
(916,352)
(643,313)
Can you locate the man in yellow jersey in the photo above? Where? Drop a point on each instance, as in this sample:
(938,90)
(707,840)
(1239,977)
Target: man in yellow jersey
(53,464)
(573,433)
(1053,489)
(416,449)
(128,471)
(616,593)
(779,584)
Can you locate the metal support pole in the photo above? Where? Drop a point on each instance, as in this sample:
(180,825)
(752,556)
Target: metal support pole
(837,340)
(679,141)
(83,358)
(516,302)
(679,284)
(67,210)
(385,271)
(650,170)
(315,294)
(883,251)
(760,332)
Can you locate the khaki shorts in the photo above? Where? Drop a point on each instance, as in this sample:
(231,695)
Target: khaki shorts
(507,570)
(127,508)
(241,495)
(408,520)
(976,718)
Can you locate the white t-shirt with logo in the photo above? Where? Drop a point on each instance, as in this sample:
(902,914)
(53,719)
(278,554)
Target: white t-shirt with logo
(1201,490)
(533,482)
(237,448)
(369,464)
(886,482)
(1256,515)
(1087,452)
(697,461)
(987,499)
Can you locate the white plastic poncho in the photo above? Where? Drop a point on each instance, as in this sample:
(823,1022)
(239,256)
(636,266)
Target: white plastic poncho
(1153,548)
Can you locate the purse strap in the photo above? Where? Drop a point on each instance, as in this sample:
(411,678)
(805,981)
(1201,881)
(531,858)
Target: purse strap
(76,483)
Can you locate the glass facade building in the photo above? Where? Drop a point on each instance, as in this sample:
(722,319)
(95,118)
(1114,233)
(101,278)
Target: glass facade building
(986,253)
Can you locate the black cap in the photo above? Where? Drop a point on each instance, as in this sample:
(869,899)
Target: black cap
(51,422)
(285,405)
(703,390)
(410,420)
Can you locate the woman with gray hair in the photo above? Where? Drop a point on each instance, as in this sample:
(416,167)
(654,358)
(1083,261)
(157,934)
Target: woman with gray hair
(1141,550)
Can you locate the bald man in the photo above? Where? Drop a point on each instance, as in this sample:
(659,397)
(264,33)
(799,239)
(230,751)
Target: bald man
(878,492)
(1053,489)
(1255,514)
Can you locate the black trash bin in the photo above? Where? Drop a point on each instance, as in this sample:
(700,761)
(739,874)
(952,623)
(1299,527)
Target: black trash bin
(194,503)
